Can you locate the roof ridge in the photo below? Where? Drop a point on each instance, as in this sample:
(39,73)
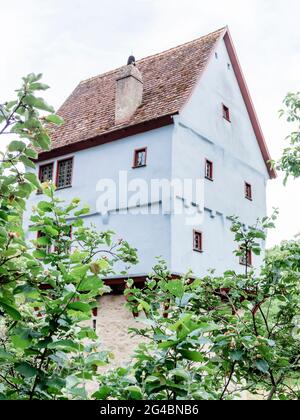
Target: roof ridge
(182,45)
(100,76)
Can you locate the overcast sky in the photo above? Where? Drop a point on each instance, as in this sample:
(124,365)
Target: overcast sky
(71,40)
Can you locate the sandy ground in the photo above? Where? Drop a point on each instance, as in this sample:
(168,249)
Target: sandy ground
(113,322)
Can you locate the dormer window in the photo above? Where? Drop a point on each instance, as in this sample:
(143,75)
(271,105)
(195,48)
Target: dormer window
(64,173)
(226,113)
(198,241)
(140,158)
(209,170)
(248,191)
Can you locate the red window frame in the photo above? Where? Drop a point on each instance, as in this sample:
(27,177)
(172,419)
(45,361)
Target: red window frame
(226,113)
(197,241)
(136,157)
(59,162)
(248,191)
(44,166)
(246,260)
(209,170)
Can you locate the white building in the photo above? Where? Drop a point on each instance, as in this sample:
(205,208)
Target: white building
(182,114)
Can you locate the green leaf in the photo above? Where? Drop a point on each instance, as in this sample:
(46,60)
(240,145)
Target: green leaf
(38,103)
(45,206)
(5,356)
(40,254)
(180,373)
(51,231)
(33,179)
(55,119)
(103,392)
(79,306)
(85,210)
(97,359)
(90,283)
(194,356)
(26,370)
(176,287)
(20,342)
(236,355)
(134,392)
(27,162)
(38,86)
(80,271)
(43,241)
(65,344)
(31,153)
(16,146)
(262,365)
(10,310)
(43,141)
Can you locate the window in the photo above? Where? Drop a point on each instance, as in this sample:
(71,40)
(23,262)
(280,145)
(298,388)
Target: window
(248,191)
(46,172)
(209,170)
(246,258)
(226,113)
(140,158)
(197,241)
(64,173)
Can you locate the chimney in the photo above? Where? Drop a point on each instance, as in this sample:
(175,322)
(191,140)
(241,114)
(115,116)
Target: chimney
(129,92)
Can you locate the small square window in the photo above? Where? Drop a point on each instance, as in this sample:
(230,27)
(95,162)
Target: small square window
(198,241)
(226,113)
(46,172)
(209,170)
(246,258)
(140,158)
(248,191)
(64,173)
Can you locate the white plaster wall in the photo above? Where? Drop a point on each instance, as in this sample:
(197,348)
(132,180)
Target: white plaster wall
(201,133)
(149,233)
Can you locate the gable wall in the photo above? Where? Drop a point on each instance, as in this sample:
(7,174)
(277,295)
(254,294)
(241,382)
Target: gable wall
(201,133)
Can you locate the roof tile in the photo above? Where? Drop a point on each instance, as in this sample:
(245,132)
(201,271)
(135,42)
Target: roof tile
(168,77)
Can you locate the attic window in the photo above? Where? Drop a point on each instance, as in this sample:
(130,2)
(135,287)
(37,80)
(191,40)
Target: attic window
(216,55)
(209,169)
(140,158)
(198,241)
(226,113)
(248,191)
(64,173)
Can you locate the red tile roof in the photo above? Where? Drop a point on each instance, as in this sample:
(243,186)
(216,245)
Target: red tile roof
(169,78)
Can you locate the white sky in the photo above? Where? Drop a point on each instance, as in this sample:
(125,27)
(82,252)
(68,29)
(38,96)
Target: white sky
(71,40)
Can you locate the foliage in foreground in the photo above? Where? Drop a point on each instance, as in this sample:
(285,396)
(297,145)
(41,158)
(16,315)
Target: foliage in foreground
(290,160)
(49,288)
(210,338)
(218,337)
